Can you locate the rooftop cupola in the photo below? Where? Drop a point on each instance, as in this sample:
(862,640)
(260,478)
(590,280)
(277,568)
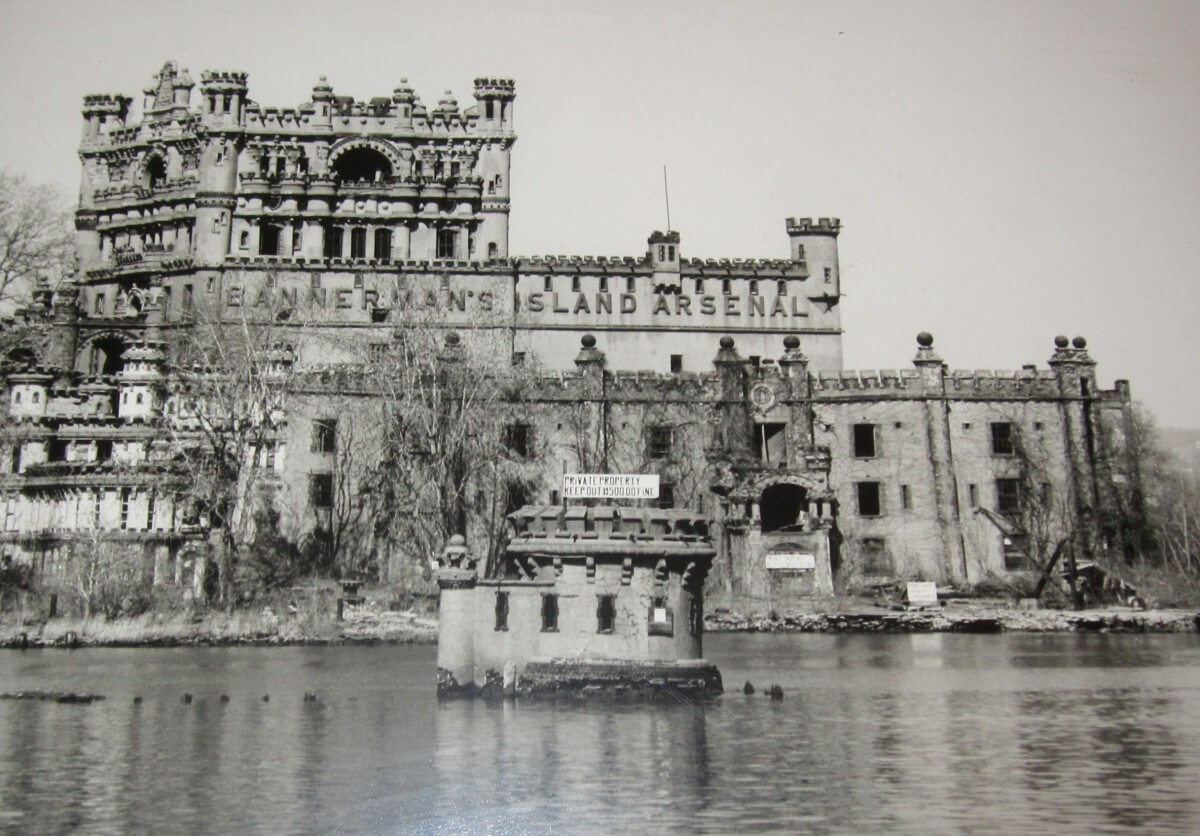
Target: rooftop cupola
(402,100)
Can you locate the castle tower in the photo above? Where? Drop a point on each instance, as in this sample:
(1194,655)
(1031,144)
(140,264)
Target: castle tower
(816,245)
(224,95)
(1076,374)
(495,126)
(662,251)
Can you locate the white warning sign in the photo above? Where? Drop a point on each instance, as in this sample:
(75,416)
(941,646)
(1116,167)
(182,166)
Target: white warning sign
(610,486)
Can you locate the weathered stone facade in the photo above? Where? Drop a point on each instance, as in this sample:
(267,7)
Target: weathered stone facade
(723,376)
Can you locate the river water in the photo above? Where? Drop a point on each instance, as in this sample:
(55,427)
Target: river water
(901,733)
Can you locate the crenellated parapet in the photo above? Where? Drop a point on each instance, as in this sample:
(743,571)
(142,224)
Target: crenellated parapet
(807,226)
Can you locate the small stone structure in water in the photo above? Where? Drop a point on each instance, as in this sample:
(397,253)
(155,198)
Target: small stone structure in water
(599,600)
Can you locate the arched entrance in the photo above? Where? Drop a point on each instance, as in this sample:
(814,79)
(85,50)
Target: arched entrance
(783,507)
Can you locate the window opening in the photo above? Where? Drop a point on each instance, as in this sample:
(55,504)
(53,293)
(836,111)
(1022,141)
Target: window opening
(783,507)
(869,504)
(321,490)
(769,442)
(268,239)
(333,242)
(1002,439)
(516,439)
(501,611)
(866,441)
(383,244)
(659,442)
(549,613)
(358,242)
(606,613)
(447,243)
(1008,496)
(676,363)
(324,439)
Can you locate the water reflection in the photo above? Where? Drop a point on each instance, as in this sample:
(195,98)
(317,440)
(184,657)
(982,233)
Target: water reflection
(875,733)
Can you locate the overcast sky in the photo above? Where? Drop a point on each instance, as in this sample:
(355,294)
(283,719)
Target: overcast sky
(1004,171)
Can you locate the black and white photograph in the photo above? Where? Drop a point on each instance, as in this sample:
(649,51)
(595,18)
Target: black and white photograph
(600,417)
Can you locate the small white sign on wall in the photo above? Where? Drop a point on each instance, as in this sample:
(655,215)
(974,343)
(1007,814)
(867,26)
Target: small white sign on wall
(610,486)
(801,562)
(922,592)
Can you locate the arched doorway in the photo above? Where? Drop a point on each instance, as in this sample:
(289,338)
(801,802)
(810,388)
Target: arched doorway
(106,356)
(783,507)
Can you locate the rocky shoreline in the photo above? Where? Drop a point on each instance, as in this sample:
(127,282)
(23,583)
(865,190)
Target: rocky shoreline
(972,618)
(374,626)
(361,625)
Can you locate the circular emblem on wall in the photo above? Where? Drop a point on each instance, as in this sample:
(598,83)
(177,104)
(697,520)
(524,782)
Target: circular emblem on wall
(762,396)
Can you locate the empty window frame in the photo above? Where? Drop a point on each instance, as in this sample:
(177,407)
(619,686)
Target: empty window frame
(905,497)
(383,244)
(873,556)
(447,243)
(1016,552)
(333,241)
(324,435)
(658,442)
(769,442)
(676,363)
(549,613)
(268,239)
(866,441)
(1008,496)
(870,502)
(1002,439)
(606,613)
(516,439)
(666,495)
(320,490)
(358,242)
(501,611)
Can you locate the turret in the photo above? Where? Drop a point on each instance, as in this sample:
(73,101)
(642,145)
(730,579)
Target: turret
(815,244)
(65,335)
(322,103)
(402,100)
(29,392)
(140,381)
(224,98)
(103,113)
(494,97)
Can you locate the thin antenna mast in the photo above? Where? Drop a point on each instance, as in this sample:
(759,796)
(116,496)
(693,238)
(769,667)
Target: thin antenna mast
(667,198)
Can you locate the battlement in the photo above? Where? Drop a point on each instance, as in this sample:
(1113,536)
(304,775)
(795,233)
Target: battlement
(806,226)
(639,528)
(221,80)
(99,104)
(501,87)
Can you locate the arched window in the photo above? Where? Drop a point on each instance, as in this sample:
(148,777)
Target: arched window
(383,244)
(362,164)
(156,172)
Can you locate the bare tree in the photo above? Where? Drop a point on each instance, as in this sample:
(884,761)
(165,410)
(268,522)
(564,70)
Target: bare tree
(100,575)
(233,379)
(445,464)
(35,238)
